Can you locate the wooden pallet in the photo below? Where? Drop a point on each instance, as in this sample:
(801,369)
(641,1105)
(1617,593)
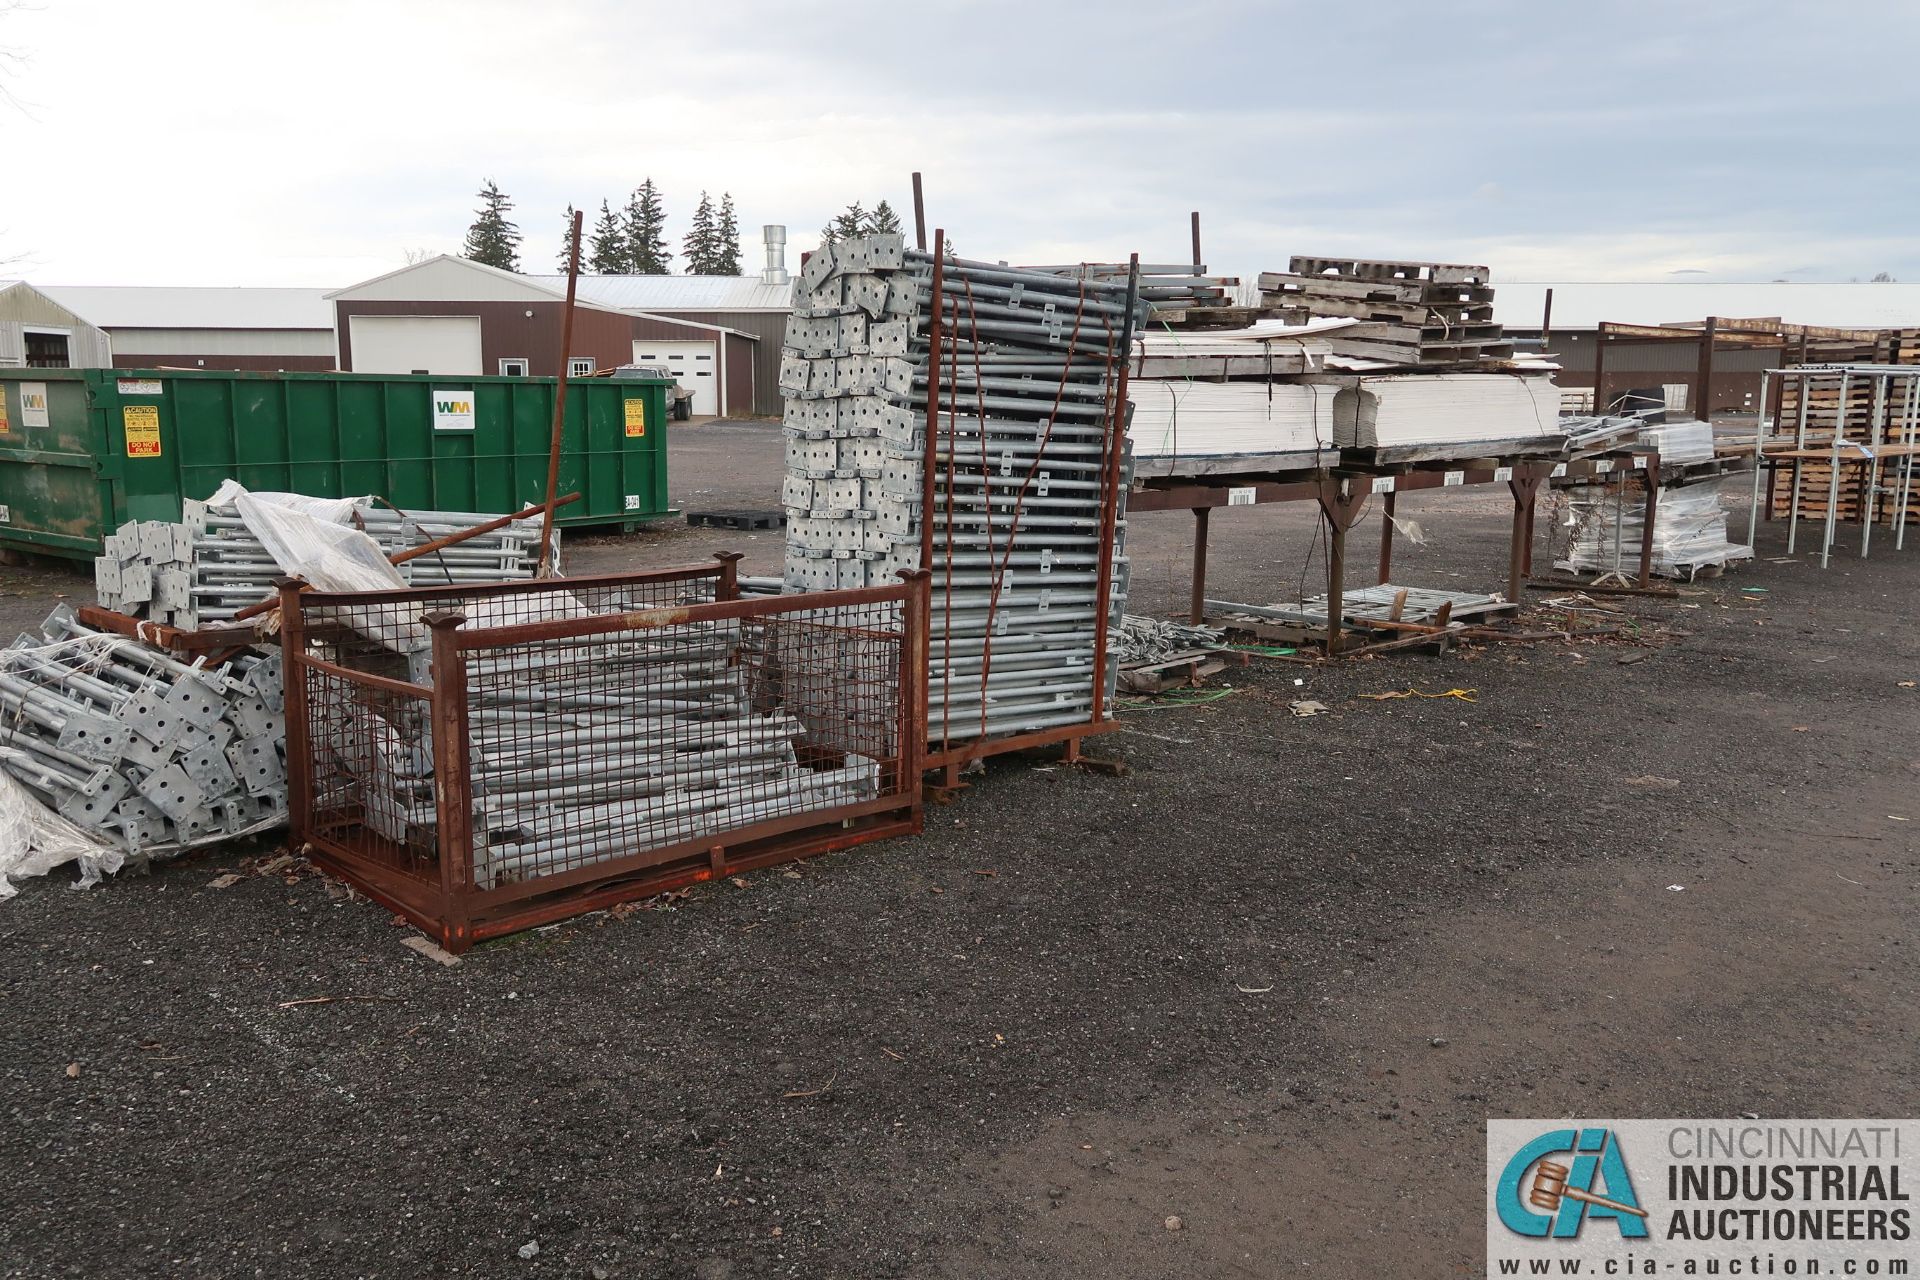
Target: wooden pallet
(1815,478)
(1181,671)
(737,519)
(1422,314)
(1448,314)
(1381,269)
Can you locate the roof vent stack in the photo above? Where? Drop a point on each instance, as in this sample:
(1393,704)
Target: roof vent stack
(776,268)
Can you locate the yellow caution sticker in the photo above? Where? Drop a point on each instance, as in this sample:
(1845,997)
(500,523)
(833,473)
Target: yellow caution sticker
(142,423)
(636,418)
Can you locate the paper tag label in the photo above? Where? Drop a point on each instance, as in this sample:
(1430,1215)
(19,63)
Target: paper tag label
(1639,462)
(1502,473)
(6,515)
(636,418)
(142,425)
(1453,478)
(1383,484)
(33,404)
(1600,467)
(5,428)
(1559,468)
(142,387)
(452,410)
(1240,497)
(633,502)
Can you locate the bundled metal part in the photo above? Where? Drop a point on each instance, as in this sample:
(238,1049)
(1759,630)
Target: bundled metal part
(1142,639)
(210,565)
(1587,435)
(1176,292)
(1689,530)
(124,741)
(1009,503)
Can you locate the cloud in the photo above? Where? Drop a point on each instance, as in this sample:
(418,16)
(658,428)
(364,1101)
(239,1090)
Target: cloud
(277,143)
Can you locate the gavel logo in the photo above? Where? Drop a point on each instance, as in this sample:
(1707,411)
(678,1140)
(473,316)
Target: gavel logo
(1550,1185)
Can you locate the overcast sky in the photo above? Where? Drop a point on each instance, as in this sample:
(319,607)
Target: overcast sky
(301,143)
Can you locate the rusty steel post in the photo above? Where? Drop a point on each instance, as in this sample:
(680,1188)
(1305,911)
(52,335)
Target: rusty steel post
(728,587)
(1524,486)
(452,777)
(544,564)
(293,707)
(919,214)
(1646,532)
(1116,445)
(1338,506)
(1600,368)
(1197,259)
(1386,539)
(1703,374)
(1197,610)
(916,655)
(1546,322)
(1526,545)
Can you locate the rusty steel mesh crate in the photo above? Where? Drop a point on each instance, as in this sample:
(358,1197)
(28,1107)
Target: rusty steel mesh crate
(484,759)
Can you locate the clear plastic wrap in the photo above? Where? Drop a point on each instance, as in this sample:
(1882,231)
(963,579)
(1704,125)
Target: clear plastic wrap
(1689,530)
(34,840)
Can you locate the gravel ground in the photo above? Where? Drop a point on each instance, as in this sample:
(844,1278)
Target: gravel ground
(1273,982)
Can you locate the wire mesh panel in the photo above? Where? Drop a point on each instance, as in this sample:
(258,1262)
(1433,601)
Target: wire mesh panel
(552,750)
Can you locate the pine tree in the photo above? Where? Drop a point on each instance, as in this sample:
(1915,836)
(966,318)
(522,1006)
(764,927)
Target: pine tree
(845,226)
(492,239)
(882,219)
(607,246)
(699,242)
(726,240)
(646,232)
(566,246)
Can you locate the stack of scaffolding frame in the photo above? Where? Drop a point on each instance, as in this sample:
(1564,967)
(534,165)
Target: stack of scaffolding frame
(1846,453)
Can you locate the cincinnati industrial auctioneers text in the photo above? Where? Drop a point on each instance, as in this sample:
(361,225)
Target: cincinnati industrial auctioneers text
(1768,1183)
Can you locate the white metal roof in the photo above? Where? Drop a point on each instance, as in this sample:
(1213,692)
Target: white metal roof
(193,306)
(678,293)
(1584,304)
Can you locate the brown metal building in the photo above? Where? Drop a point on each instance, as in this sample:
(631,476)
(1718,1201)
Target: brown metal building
(451,316)
(1639,358)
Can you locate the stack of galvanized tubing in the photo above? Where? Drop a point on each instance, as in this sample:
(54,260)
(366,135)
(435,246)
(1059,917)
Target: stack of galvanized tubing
(983,439)
(210,566)
(136,746)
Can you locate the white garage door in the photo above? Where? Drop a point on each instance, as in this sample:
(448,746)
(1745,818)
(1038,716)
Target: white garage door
(402,344)
(693,363)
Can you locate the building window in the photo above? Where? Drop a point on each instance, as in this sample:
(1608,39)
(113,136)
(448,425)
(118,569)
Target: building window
(513,367)
(47,350)
(579,366)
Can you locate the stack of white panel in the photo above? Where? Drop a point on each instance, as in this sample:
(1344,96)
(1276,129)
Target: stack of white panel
(1029,364)
(1447,415)
(1183,428)
(1226,402)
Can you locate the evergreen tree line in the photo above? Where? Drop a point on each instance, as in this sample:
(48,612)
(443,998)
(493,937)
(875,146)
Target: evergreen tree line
(632,240)
(629,240)
(857,221)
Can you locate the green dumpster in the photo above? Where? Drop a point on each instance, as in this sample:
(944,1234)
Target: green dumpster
(84,450)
